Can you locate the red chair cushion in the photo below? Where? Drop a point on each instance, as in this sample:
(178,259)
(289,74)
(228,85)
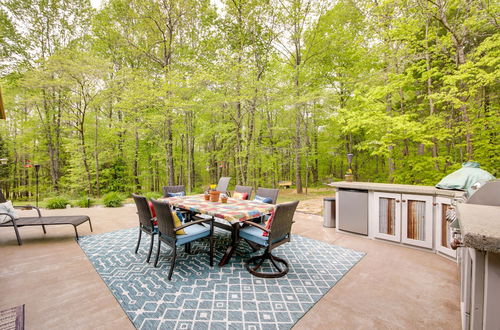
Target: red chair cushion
(152,208)
(238,195)
(153,212)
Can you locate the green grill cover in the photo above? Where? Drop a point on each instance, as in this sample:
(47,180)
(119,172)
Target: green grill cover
(464,178)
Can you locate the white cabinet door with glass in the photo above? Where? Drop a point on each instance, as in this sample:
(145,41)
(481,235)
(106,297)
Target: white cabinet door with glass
(443,231)
(416,219)
(403,218)
(387,216)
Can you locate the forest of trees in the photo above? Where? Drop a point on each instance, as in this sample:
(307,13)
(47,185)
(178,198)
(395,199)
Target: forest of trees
(138,94)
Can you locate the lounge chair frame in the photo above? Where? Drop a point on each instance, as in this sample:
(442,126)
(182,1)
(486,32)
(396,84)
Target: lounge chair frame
(74,220)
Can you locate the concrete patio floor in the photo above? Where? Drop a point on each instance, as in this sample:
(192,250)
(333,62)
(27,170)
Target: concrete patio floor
(392,287)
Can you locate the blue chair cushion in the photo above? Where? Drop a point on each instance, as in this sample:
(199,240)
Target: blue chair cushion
(261,199)
(178,194)
(193,233)
(254,234)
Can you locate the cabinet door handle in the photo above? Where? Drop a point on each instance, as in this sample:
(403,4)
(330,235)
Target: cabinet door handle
(404,201)
(397,200)
(435,204)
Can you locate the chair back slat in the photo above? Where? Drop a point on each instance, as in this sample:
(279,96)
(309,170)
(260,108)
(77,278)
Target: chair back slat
(244,189)
(268,192)
(164,218)
(2,197)
(282,221)
(223,184)
(143,210)
(173,189)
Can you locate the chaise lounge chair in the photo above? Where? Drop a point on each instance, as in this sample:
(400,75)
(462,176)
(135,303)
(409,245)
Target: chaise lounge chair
(74,220)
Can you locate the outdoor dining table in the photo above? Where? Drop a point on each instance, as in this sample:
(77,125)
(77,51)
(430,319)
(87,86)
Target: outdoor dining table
(234,212)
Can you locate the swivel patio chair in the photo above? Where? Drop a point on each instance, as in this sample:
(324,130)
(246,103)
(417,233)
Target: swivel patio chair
(173,190)
(167,233)
(244,190)
(223,184)
(146,222)
(268,193)
(278,233)
(74,220)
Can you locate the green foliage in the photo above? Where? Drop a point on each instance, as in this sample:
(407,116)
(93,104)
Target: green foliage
(85,202)
(152,194)
(259,91)
(112,199)
(57,203)
(114,177)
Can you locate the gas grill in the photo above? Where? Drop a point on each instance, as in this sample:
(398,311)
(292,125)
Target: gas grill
(479,270)
(486,194)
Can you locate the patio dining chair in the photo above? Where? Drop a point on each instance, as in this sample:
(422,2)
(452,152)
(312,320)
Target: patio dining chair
(223,184)
(146,222)
(243,190)
(270,236)
(170,191)
(168,233)
(270,193)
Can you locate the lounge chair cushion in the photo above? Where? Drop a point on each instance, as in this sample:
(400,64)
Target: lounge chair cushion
(7,207)
(193,233)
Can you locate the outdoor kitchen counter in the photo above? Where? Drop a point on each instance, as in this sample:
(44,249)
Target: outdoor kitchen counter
(397,188)
(480,226)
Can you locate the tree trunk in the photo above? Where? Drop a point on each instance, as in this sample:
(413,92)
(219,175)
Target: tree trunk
(458,41)
(429,91)
(84,157)
(249,138)
(169,155)
(136,159)
(96,155)
(390,147)
(190,150)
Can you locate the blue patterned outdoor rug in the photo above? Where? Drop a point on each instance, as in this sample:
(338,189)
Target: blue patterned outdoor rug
(200,297)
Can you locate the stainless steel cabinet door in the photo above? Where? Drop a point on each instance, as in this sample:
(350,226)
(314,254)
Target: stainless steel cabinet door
(353,211)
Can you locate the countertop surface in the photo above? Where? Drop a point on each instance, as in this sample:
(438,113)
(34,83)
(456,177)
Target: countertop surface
(480,226)
(397,188)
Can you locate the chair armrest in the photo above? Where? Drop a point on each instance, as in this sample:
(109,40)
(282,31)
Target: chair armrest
(29,207)
(256,225)
(192,223)
(10,216)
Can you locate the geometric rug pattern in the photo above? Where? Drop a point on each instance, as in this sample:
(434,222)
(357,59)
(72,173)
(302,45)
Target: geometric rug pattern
(204,297)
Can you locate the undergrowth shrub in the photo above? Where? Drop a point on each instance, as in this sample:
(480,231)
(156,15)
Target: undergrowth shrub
(85,202)
(57,203)
(112,199)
